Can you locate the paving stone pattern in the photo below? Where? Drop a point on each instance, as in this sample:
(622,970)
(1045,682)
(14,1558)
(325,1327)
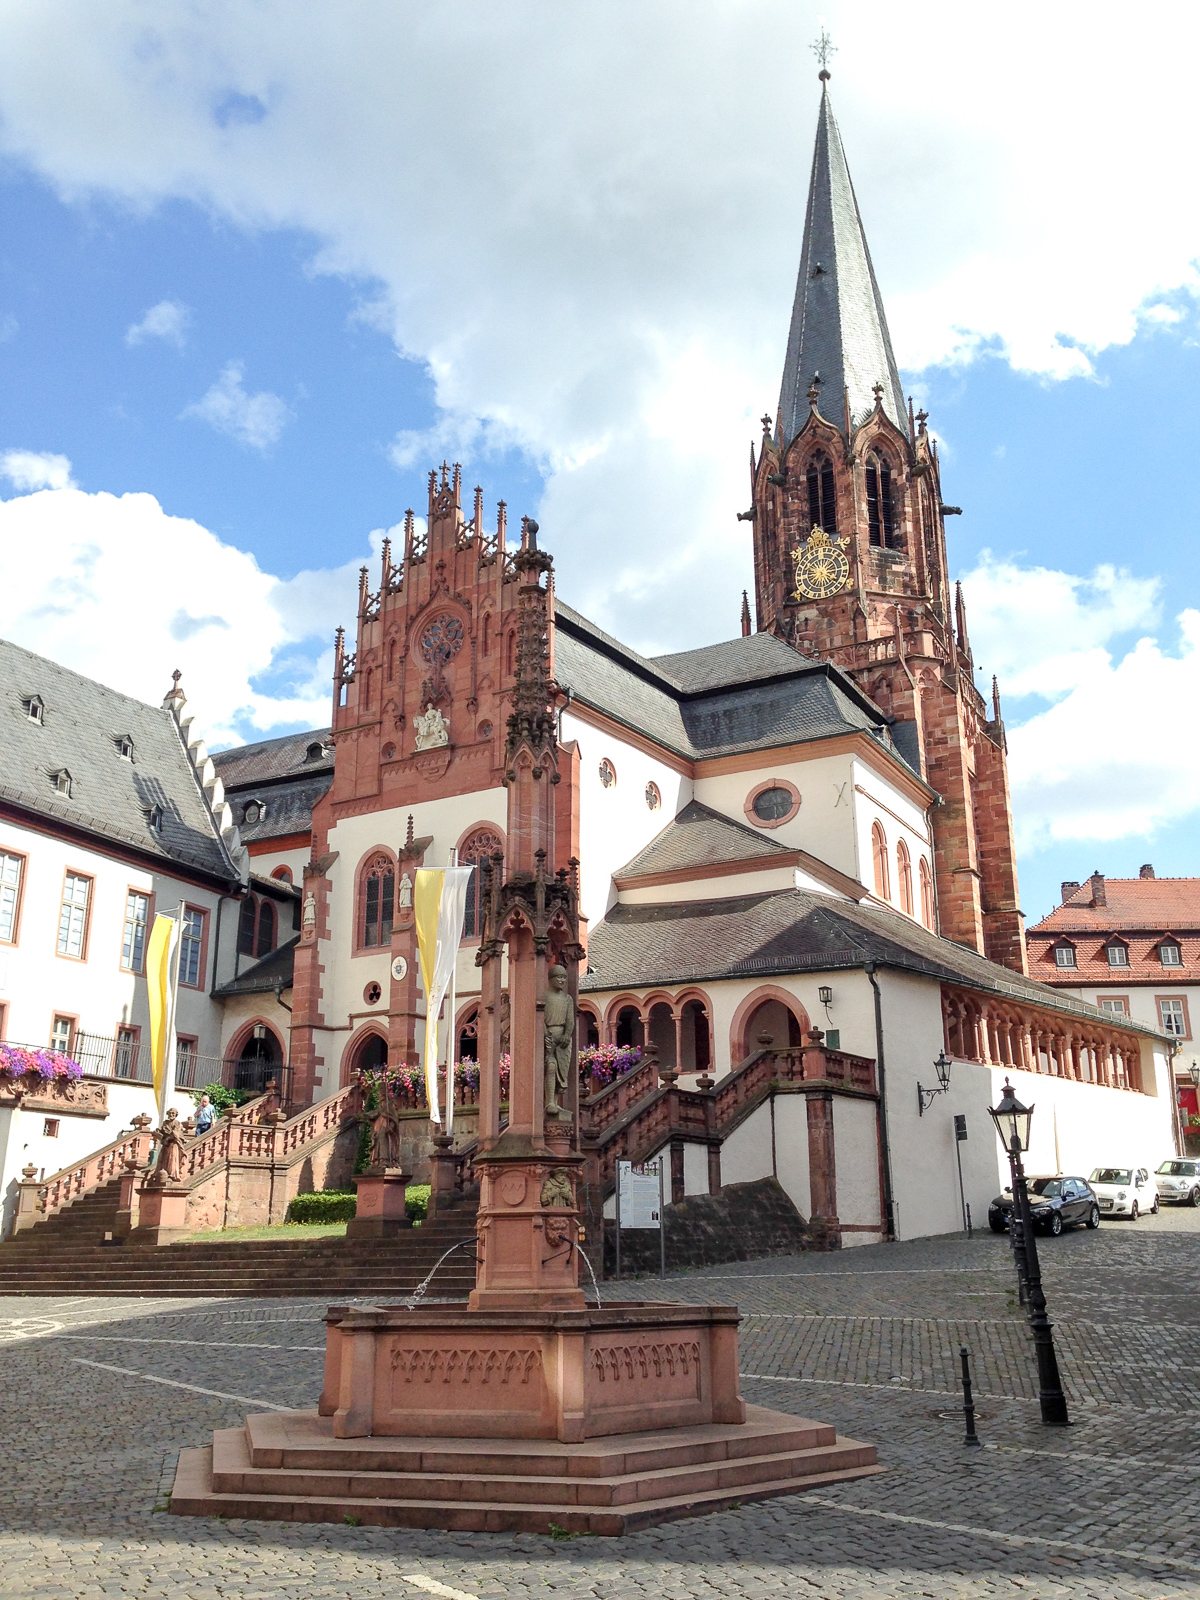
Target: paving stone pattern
(866,1339)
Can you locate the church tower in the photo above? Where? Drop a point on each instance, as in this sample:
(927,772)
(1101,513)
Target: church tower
(850,556)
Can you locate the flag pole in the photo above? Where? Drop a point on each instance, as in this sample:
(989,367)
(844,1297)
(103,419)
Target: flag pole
(452,1041)
(169,1044)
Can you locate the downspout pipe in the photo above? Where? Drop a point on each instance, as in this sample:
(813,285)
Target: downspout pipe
(889,1208)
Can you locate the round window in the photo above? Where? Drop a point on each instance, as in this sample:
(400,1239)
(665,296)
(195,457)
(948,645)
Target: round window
(653,797)
(252,811)
(373,994)
(773,804)
(608,773)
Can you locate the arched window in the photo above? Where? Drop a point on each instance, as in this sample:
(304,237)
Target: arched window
(879,853)
(265,942)
(822,502)
(904,877)
(510,664)
(477,847)
(247,926)
(284,874)
(378,899)
(926,894)
(487,634)
(881,514)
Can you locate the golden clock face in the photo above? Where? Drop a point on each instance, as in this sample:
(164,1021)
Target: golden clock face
(822,566)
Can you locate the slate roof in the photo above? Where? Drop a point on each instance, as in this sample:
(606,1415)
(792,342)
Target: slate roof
(280,775)
(263,975)
(838,329)
(110,796)
(700,837)
(745,694)
(789,930)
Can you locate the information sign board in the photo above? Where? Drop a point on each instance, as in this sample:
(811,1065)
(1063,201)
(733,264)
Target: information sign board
(639,1202)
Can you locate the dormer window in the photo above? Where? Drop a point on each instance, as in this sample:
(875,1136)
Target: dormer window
(1117,953)
(1169,954)
(34,708)
(822,501)
(881,513)
(252,811)
(315,752)
(1064,955)
(154,818)
(124,746)
(62,782)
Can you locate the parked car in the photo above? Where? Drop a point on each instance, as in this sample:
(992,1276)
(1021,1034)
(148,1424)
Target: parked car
(1125,1191)
(1178,1182)
(1054,1204)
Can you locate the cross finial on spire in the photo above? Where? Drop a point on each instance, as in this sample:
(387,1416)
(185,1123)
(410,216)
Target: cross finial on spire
(766,422)
(823,48)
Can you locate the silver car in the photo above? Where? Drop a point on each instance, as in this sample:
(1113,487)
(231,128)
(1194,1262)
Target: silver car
(1179,1182)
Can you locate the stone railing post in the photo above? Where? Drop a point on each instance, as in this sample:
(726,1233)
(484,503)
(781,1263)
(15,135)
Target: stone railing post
(441,1173)
(813,1055)
(705,1086)
(29,1209)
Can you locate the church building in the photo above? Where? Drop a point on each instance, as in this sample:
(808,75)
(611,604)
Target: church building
(793,849)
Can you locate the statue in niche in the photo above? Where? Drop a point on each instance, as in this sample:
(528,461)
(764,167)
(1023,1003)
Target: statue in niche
(169,1139)
(556,1191)
(559,1018)
(405,899)
(310,911)
(431,728)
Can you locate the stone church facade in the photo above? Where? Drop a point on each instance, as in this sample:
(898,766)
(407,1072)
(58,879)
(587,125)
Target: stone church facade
(793,849)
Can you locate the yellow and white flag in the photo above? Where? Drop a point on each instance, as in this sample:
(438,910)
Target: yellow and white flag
(161,950)
(439,906)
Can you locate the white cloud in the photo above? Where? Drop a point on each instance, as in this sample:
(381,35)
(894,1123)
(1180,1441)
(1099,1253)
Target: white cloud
(617,199)
(33,469)
(1108,756)
(256,420)
(133,593)
(167,320)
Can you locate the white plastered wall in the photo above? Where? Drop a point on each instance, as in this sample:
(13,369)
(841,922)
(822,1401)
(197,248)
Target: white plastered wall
(295,860)
(877,801)
(824,823)
(615,823)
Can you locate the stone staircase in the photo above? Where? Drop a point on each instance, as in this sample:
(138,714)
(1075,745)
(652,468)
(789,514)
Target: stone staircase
(66,1254)
(289,1466)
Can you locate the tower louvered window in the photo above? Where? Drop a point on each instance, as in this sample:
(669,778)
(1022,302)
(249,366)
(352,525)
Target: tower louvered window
(881,514)
(822,502)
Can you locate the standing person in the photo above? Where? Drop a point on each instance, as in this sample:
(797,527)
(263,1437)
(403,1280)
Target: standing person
(206,1115)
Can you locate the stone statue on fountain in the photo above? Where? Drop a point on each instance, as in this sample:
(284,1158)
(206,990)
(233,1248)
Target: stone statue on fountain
(559,1026)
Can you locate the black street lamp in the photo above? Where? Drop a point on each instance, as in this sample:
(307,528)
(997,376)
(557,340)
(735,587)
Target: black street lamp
(925,1096)
(1012,1121)
(1194,1073)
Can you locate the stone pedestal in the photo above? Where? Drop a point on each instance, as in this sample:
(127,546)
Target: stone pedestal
(380,1212)
(162,1213)
(128,1210)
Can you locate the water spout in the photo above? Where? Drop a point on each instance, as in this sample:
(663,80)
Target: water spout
(418,1293)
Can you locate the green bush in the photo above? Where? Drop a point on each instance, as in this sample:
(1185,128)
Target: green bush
(222,1098)
(416,1201)
(330,1205)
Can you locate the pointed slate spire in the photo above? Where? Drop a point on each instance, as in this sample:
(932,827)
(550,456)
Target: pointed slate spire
(839,336)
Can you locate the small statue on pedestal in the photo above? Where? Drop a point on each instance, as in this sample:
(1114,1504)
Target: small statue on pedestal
(404,900)
(431,728)
(559,1019)
(169,1139)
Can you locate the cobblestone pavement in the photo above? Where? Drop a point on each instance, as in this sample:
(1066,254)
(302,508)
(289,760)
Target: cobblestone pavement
(100,1394)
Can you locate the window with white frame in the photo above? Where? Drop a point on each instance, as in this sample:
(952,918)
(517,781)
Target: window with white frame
(133,942)
(60,1034)
(1118,954)
(191,946)
(73,915)
(1171,1016)
(1169,954)
(1114,1005)
(1064,955)
(10,896)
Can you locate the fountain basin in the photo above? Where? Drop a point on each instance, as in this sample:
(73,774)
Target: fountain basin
(453,1372)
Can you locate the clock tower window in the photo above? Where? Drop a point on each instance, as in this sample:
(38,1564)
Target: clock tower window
(881,515)
(822,502)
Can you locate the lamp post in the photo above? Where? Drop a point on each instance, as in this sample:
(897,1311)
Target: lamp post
(1012,1121)
(925,1096)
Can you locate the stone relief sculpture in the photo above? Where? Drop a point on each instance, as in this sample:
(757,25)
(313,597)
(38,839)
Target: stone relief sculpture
(431,728)
(556,1191)
(559,1018)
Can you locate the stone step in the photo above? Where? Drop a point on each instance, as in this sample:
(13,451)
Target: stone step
(585,1503)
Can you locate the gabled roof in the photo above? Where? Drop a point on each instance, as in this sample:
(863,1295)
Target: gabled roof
(790,930)
(753,693)
(839,330)
(699,837)
(272,760)
(1160,905)
(111,797)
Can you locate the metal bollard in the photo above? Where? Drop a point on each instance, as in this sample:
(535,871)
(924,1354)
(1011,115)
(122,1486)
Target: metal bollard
(971,1437)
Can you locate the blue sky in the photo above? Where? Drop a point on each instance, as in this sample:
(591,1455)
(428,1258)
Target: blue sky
(579,284)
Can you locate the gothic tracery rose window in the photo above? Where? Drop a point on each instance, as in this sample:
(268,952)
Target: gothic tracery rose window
(442,639)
